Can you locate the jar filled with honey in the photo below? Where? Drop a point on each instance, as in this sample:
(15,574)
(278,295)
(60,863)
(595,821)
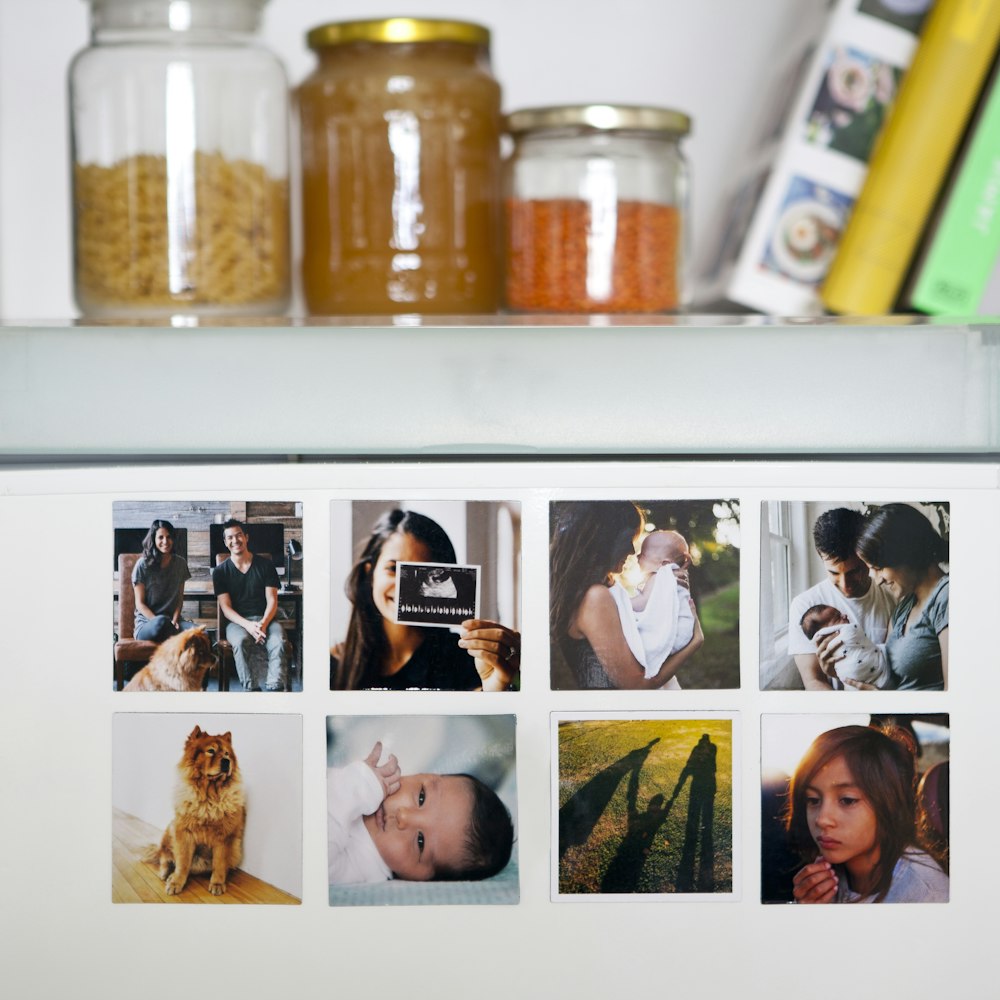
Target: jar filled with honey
(596,206)
(179,128)
(400,126)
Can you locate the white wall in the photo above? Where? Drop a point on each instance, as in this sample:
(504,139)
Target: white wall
(146,747)
(714,59)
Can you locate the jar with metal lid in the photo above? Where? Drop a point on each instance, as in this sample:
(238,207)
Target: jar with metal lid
(596,210)
(179,126)
(400,126)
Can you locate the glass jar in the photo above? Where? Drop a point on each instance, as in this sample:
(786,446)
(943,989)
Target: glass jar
(596,210)
(179,125)
(400,126)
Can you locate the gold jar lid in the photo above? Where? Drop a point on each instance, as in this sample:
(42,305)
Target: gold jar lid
(388,30)
(600,117)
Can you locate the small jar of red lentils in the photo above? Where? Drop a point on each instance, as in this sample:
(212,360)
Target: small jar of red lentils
(596,210)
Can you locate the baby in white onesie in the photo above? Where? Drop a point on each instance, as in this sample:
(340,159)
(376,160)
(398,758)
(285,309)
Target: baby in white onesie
(863,660)
(383,824)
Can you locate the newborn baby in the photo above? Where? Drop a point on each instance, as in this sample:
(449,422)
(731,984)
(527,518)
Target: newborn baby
(862,661)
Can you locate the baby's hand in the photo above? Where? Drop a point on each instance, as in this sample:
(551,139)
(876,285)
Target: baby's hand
(815,883)
(388,773)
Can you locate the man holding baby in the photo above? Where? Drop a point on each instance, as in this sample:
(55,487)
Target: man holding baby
(847,587)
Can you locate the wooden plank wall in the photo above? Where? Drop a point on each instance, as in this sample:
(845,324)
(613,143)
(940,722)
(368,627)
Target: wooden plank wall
(196,516)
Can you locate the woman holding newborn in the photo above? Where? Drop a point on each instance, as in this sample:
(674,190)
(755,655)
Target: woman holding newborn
(379,652)
(590,542)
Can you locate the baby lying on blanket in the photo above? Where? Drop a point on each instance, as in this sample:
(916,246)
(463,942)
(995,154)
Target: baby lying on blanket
(383,824)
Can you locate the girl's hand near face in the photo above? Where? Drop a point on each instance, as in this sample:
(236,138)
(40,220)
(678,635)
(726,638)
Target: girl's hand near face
(388,774)
(496,651)
(815,883)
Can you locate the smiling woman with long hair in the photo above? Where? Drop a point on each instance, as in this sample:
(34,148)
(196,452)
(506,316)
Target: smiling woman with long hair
(379,652)
(853,818)
(904,554)
(158,582)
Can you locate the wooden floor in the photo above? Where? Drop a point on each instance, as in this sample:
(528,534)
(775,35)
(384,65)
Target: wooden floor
(135,881)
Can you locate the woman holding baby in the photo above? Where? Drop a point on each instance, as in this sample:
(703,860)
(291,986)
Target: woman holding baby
(904,554)
(590,542)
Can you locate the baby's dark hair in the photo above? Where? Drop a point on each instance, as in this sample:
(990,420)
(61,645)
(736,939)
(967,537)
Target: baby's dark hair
(489,839)
(810,622)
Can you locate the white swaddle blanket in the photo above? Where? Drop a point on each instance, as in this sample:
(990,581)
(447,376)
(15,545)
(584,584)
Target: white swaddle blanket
(665,625)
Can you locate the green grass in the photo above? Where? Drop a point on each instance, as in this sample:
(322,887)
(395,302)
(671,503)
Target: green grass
(625,826)
(717,663)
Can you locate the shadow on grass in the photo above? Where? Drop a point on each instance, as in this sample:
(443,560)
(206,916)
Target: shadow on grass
(626,867)
(581,811)
(625,870)
(699,830)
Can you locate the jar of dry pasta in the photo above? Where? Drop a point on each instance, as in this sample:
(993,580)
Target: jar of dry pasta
(179,124)
(400,128)
(596,206)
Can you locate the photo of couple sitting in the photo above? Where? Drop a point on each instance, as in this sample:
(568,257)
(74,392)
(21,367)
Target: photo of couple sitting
(199,569)
(877,618)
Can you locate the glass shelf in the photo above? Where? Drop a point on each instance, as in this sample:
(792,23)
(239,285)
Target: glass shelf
(519,386)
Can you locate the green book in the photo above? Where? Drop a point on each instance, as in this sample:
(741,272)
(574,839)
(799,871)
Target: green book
(963,249)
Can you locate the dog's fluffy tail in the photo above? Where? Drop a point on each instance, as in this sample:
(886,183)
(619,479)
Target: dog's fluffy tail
(151,854)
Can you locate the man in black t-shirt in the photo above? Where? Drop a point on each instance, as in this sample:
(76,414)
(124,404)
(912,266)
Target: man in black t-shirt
(246,586)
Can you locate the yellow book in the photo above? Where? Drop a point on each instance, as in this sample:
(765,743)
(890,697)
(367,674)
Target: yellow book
(912,156)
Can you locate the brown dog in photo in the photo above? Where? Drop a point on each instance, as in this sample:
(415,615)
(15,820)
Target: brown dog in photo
(206,834)
(179,664)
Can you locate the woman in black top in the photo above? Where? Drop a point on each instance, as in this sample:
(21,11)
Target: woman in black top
(379,652)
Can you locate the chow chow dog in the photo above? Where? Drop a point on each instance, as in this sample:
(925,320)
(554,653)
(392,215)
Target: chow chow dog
(179,664)
(206,833)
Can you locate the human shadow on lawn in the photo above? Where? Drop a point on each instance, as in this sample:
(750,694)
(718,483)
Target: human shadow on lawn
(625,870)
(581,811)
(626,867)
(700,768)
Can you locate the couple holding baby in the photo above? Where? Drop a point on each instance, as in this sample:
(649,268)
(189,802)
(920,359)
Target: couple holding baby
(607,636)
(880,618)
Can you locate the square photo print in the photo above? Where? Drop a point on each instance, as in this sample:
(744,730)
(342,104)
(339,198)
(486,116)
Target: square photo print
(643,806)
(854,595)
(644,594)
(855,808)
(207,595)
(425,595)
(421,809)
(206,808)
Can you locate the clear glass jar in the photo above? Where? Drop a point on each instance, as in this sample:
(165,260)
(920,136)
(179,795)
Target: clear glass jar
(400,127)
(179,125)
(596,210)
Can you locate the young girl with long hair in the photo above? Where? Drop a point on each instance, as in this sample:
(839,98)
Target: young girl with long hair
(852,816)
(379,652)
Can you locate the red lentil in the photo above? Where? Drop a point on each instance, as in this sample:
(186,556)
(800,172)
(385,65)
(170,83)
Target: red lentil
(560,258)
